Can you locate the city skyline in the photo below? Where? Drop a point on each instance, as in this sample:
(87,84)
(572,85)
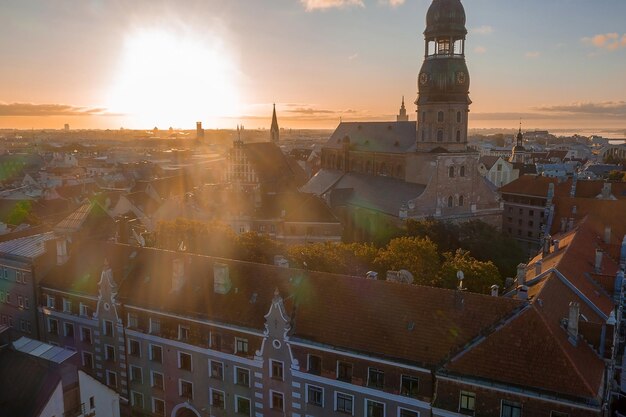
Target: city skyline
(110,65)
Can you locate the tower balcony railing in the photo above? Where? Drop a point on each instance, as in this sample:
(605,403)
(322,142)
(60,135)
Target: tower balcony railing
(441,56)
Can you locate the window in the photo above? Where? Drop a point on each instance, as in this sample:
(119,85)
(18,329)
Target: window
(531,212)
(344,403)
(158,407)
(184,361)
(87,360)
(458,136)
(277,370)
(109,352)
(156,353)
(242,376)
(499,167)
(440,117)
(134,348)
(242,405)
(53,326)
(156,380)
(315,395)
(462,171)
(216,341)
(111,379)
(241,345)
(440,135)
(344,371)
(183,332)
(67,306)
(458,117)
(374,409)
(451,172)
(185,389)
(461,201)
(155,326)
(408,413)
(26,303)
(409,386)
(315,364)
(92,403)
(137,399)
(49,301)
(217,370)
(68,330)
(375,378)
(558,414)
(136,374)
(217,398)
(467,402)
(133,320)
(277,401)
(18,277)
(108,328)
(511,409)
(530,223)
(450,202)
(85,335)
(84,310)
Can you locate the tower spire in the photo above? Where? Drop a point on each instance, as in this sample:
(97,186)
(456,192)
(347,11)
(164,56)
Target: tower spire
(402,116)
(274,130)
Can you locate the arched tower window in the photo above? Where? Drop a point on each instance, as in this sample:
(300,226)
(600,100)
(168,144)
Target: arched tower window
(440,136)
(461,202)
(462,171)
(450,201)
(458,117)
(458,136)
(451,172)
(440,117)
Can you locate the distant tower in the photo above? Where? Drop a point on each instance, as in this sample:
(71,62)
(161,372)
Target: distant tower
(443,83)
(402,116)
(274,131)
(199,130)
(519,153)
(66,127)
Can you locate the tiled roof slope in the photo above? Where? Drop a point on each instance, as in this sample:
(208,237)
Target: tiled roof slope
(387,137)
(534,185)
(529,352)
(419,325)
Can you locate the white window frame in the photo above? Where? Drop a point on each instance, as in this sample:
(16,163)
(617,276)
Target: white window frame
(151,349)
(135,320)
(235,368)
(106,352)
(153,321)
(50,301)
(511,402)
(82,310)
(372,368)
(460,397)
(180,388)
(306,395)
(236,405)
(243,340)
(85,362)
(308,362)
(282,364)
(408,409)
(132,378)
(50,320)
(335,404)
(211,390)
(82,334)
(20,301)
(211,362)
(412,377)
(26,303)
(180,360)
(272,392)
(67,303)
(108,378)
(104,327)
(154,400)
(132,398)
(65,326)
(129,350)
(366,400)
(180,332)
(162,387)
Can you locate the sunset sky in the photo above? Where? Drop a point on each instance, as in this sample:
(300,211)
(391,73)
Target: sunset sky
(139,64)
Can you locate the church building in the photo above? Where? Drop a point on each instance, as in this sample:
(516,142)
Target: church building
(380,173)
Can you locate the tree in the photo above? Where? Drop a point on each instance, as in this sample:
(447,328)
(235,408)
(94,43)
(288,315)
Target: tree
(418,256)
(337,258)
(616,176)
(21,213)
(479,276)
(444,234)
(213,238)
(253,247)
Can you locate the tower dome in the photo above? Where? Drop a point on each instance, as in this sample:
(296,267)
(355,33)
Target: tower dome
(445,17)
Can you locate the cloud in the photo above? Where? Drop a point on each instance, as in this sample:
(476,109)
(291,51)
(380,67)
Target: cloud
(480,50)
(30,109)
(310,111)
(603,108)
(532,54)
(312,5)
(608,41)
(483,30)
(353,56)
(392,3)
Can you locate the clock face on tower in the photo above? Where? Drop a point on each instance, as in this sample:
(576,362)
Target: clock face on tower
(460,77)
(424,78)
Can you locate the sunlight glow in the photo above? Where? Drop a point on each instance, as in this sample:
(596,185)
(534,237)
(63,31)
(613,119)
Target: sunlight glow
(167,78)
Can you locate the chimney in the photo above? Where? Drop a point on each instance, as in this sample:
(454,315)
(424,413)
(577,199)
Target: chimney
(598,263)
(494,290)
(61,249)
(607,235)
(563,224)
(572,322)
(557,243)
(570,224)
(618,287)
(221,279)
(280,260)
(178,274)
(606,191)
(546,245)
(522,292)
(521,274)
(538,266)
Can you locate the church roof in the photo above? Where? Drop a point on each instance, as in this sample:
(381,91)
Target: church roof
(386,137)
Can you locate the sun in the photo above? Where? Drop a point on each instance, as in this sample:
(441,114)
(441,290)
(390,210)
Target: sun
(168,78)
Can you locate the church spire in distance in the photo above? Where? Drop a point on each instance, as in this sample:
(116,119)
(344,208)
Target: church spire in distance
(274,130)
(402,116)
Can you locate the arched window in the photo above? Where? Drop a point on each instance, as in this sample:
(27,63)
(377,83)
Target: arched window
(462,171)
(461,201)
(440,136)
(458,117)
(451,172)
(458,135)
(450,201)
(440,117)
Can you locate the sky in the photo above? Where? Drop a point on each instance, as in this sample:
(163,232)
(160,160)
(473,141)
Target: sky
(141,64)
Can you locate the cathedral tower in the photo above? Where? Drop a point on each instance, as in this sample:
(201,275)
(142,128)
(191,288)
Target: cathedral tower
(443,83)
(402,116)
(274,131)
